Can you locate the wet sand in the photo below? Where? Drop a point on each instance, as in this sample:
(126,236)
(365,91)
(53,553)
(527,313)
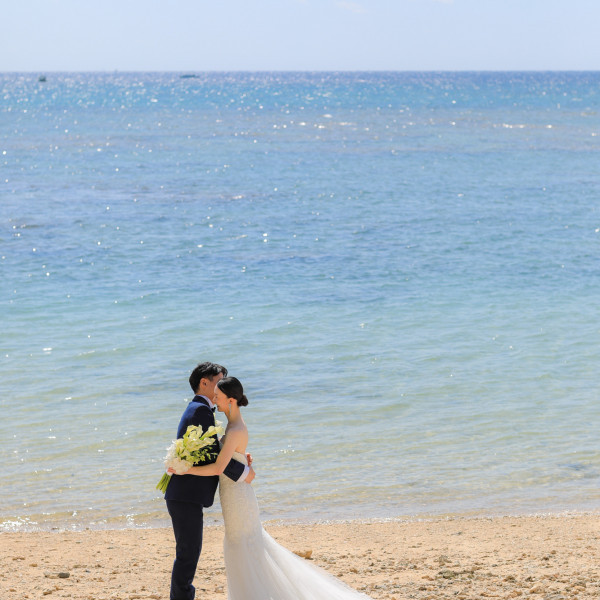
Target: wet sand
(545,557)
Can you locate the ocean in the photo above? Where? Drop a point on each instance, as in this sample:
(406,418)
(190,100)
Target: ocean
(401,268)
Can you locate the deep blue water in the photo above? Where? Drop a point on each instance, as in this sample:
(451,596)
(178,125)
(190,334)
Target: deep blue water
(402,268)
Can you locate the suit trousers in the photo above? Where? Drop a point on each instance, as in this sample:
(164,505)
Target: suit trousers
(187,522)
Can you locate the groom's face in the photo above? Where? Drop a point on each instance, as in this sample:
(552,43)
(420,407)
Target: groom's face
(207,385)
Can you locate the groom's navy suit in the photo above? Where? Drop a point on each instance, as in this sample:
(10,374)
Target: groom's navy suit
(186,495)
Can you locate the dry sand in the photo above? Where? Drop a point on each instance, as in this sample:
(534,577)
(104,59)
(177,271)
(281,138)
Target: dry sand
(549,557)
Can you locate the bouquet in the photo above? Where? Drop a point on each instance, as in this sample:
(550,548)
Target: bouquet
(194,447)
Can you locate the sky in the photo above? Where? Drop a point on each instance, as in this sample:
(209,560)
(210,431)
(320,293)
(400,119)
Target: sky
(298,35)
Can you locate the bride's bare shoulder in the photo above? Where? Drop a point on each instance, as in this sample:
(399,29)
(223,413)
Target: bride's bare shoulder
(238,429)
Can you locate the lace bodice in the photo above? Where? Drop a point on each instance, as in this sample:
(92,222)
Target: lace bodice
(239,505)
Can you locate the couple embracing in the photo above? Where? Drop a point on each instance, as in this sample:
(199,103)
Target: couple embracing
(257,567)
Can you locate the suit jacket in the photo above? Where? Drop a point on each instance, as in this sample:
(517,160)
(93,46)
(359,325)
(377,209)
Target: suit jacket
(193,488)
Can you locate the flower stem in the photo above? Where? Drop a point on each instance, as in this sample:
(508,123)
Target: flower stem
(163,483)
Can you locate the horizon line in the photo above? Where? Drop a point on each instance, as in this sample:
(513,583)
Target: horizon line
(204,71)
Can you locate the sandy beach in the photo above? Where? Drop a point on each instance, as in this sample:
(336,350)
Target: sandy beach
(549,557)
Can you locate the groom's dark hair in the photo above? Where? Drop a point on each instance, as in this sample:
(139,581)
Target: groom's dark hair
(205,369)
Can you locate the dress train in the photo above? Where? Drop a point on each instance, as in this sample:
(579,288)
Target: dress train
(258,568)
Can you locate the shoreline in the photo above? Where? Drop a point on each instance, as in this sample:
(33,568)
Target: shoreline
(539,556)
(24,525)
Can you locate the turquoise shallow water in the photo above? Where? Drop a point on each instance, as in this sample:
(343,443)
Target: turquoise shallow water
(402,268)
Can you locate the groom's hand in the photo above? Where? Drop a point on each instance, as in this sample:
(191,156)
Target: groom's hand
(251,476)
(249,458)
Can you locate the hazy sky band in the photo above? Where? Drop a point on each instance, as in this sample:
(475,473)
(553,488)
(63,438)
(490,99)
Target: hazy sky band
(224,35)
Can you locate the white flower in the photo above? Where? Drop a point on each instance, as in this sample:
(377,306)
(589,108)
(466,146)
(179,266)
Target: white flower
(179,465)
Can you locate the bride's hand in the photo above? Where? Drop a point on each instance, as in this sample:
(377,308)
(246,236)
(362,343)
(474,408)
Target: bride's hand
(171,471)
(249,458)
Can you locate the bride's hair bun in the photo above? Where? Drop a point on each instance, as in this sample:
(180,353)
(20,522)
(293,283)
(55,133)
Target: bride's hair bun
(232,388)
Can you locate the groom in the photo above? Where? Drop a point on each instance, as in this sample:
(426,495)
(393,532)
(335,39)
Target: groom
(188,494)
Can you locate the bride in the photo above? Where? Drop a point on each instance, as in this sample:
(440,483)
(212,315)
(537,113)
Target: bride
(257,567)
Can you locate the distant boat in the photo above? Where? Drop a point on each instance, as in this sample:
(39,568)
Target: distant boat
(189,76)
(42,78)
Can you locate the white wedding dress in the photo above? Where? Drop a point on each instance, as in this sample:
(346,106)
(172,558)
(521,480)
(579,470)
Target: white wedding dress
(258,568)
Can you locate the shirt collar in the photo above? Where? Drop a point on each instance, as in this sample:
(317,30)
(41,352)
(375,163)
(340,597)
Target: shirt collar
(210,404)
